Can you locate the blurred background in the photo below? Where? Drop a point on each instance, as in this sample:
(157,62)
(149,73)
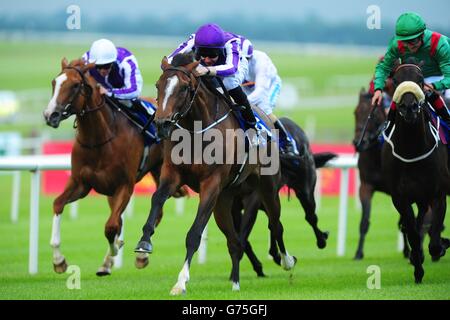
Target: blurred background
(324,51)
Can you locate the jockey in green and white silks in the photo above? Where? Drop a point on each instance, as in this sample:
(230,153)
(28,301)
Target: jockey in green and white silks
(414,40)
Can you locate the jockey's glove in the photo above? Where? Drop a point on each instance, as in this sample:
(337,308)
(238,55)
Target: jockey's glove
(205,71)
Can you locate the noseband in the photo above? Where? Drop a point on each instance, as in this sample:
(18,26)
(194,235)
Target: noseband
(86,91)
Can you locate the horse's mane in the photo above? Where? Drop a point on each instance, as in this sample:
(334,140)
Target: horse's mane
(182,59)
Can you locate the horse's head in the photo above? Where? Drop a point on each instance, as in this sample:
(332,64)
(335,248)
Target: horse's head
(374,126)
(70,92)
(409,71)
(409,98)
(176,92)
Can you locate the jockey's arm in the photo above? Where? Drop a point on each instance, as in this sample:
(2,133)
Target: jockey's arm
(443,56)
(186,46)
(231,64)
(132,81)
(384,67)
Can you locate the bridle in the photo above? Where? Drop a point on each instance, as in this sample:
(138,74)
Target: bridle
(86,91)
(177,116)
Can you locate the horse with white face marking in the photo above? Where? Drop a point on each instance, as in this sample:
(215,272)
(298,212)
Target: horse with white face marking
(107,156)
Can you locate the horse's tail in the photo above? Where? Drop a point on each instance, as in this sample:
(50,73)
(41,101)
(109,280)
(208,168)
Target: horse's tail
(320,159)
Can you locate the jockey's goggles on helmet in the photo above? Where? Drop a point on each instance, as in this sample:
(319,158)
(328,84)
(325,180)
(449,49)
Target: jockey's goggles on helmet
(208,52)
(414,41)
(103,66)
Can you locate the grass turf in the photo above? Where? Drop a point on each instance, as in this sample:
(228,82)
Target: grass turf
(319,274)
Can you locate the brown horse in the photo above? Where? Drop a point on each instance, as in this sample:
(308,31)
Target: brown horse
(107,156)
(184,100)
(414,163)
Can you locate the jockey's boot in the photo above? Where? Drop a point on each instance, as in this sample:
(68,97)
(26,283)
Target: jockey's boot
(439,106)
(240,98)
(288,150)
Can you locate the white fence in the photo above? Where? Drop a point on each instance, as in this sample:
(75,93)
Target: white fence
(36,164)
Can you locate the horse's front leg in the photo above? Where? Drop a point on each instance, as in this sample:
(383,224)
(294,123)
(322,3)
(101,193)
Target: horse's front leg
(407,214)
(113,227)
(209,192)
(365,196)
(72,192)
(168,185)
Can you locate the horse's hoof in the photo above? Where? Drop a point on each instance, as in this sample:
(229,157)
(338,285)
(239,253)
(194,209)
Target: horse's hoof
(436,252)
(418,275)
(141,260)
(144,247)
(102,271)
(358,256)
(177,291)
(60,267)
(445,243)
(236,287)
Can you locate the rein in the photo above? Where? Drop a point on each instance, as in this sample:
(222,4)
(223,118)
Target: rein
(68,109)
(176,117)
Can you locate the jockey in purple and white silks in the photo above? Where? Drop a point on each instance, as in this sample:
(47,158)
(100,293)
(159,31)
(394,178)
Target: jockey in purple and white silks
(262,87)
(220,54)
(117,70)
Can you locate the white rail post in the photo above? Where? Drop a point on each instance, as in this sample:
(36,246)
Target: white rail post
(343,208)
(118,260)
(34,222)
(129,210)
(15,197)
(74,210)
(400,242)
(318,190)
(179,206)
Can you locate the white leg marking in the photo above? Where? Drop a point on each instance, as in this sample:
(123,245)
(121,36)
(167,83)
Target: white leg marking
(55,241)
(287,261)
(171,83)
(52,104)
(183,277)
(236,286)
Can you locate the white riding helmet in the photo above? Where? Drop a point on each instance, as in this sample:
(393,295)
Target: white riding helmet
(102,51)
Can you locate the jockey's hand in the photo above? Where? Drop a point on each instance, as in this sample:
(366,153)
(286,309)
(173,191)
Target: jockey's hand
(377,97)
(205,71)
(103,91)
(428,88)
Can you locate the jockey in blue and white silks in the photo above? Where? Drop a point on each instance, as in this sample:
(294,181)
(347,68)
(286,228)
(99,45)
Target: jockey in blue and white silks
(262,87)
(117,70)
(220,53)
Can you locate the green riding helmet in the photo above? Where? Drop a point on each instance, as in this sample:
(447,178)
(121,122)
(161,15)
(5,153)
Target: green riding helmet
(409,26)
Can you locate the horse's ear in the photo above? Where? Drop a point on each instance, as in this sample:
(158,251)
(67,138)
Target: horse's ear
(165,63)
(193,65)
(87,67)
(64,63)
(421,64)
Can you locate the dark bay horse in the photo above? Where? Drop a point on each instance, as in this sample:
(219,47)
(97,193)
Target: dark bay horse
(107,154)
(299,177)
(183,100)
(369,164)
(414,163)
